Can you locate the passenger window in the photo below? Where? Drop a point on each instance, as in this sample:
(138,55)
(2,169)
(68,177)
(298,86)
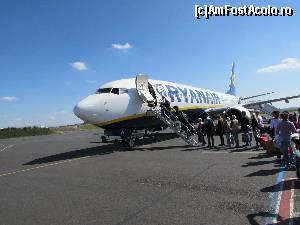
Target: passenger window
(115,91)
(103,90)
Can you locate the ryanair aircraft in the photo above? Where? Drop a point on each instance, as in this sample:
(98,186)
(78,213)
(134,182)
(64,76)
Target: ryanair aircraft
(121,106)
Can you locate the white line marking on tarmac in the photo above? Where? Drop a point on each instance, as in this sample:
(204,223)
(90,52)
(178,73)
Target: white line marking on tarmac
(291,222)
(276,198)
(7,147)
(43,166)
(276,212)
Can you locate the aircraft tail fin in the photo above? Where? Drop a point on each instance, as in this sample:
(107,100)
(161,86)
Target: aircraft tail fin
(232,90)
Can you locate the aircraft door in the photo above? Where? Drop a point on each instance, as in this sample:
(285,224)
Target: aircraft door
(142,87)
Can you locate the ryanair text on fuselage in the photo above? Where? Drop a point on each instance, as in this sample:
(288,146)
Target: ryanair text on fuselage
(188,95)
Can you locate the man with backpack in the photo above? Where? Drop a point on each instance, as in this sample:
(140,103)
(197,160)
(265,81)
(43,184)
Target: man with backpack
(209,129)
(245,127)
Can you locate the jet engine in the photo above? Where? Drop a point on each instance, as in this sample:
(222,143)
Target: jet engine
(237,110)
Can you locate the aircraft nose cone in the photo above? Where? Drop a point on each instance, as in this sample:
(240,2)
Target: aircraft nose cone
(88,109)
(79,110)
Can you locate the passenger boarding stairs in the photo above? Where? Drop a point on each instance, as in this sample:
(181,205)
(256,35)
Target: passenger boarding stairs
(186,133)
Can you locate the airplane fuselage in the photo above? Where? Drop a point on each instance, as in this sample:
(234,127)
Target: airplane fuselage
(117,104)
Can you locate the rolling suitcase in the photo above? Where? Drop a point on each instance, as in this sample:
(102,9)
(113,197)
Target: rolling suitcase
(270,147)
(263,141)
(295,141)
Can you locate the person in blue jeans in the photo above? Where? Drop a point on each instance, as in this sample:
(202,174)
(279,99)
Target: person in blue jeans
(235,130)
(285,129)
(276,137)
(245,127)
(227,130)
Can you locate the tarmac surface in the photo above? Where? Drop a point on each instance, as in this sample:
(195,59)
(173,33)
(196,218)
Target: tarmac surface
(76,179)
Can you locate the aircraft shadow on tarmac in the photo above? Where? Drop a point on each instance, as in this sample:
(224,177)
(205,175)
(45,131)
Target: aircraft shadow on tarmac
(102,150)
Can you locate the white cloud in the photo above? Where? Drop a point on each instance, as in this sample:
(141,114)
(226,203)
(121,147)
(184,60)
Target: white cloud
(286,64)
(61,112)
(122,47)
(79,65)
(18,119)
(91,81)
(51,117)
(8,98)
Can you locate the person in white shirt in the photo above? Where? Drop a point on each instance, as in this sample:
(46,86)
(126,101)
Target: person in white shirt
(235,130)
(260,121)
(273,127)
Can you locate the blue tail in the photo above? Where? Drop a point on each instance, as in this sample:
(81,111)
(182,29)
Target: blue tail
(231,90)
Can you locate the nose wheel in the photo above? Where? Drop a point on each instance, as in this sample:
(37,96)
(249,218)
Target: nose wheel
(104,139)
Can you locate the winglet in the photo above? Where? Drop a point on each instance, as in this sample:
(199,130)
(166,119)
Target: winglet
(231,90)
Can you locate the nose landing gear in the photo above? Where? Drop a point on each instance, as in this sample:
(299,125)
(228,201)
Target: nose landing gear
(103,139)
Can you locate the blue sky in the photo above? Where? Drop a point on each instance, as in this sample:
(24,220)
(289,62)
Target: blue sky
(54,53)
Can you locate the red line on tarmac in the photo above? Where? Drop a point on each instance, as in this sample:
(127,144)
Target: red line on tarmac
(284,208)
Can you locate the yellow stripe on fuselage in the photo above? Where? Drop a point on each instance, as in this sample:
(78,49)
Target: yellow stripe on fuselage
(144,114)
(121,119)
(202,107)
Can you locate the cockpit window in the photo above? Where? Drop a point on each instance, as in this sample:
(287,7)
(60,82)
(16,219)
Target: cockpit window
(103,90)
(123,90)
(115,91)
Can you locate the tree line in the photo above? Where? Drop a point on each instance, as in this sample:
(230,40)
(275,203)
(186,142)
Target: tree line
(25,131)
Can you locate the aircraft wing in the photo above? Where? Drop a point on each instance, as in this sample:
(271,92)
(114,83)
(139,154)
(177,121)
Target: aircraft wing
(286,99)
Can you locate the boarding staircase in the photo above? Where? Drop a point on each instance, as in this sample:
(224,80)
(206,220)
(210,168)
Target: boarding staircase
(185,132)
(162,113)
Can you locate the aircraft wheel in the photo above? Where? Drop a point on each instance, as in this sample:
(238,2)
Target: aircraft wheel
(103,139)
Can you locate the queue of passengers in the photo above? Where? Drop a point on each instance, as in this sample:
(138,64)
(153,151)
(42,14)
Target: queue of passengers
(281,127)
(226,126)
(230,128)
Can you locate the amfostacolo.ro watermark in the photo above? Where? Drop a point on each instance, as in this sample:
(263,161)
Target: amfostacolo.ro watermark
(207,11)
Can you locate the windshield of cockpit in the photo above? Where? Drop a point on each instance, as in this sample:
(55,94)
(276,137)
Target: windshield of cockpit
(116,91)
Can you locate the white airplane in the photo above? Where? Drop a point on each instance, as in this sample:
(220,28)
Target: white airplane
(121,106)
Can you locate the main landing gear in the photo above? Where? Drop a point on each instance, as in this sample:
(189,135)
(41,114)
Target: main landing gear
(129,137)
(128,142)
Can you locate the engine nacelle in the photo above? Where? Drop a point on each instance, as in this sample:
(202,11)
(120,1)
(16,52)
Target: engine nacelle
(237,110)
